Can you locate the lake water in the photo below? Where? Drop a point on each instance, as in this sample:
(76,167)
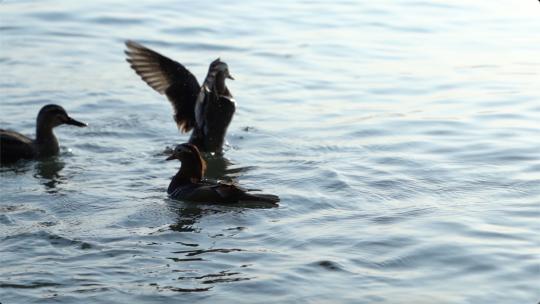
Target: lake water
(403,138)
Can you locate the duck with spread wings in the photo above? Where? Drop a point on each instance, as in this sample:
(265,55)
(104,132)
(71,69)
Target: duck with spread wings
(206,109)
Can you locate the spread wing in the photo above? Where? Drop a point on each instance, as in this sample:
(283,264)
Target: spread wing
(14,146)
(168,77)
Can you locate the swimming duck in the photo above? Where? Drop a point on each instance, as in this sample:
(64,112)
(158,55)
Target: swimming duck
(207,109)
(188,184)
(15,146)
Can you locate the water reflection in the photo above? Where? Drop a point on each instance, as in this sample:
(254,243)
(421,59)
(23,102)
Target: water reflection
(225,276)
(221,168)
(189,213)
(48,170)
(216,166)
(200,274)
(19,167)
(187,216)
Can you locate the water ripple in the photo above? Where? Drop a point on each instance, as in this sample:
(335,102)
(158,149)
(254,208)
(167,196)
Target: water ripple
(401,137)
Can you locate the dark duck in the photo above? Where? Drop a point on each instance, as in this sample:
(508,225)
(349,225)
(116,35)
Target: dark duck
(189,184)
(207,109)
(15,146)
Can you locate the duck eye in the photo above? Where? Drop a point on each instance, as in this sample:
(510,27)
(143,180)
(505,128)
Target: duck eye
(63,117)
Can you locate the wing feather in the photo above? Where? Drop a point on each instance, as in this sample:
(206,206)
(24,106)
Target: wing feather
(168,77)
(14,146)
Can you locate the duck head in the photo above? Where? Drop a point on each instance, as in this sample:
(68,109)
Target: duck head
(221,67)
(217,73)
(193,165)
(51,116)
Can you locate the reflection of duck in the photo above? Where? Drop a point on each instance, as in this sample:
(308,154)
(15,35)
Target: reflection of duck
(188,216)
(208,110)
(216,166)
(15,146)
(49,171)
(188,183)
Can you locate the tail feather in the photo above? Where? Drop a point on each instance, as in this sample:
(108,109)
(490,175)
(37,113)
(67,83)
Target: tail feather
(265,198)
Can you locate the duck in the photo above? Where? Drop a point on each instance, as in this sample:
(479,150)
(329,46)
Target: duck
(189,184)
(15,146)
(207,109)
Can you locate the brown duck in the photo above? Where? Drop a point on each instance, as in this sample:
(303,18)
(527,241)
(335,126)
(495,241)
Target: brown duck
(207,109)
(15,146)
(188,184)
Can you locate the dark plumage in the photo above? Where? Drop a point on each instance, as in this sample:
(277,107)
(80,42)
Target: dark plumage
(15,146)
(188,183)
(207,109)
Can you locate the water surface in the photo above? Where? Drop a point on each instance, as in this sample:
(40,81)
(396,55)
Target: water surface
(403,138)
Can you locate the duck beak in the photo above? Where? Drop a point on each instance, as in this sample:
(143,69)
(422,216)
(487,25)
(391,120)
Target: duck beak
(73,122)
(229,76)
(171,157)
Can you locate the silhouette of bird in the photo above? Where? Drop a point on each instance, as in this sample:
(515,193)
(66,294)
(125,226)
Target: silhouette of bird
(207,109)
(15,146)
(189,184)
